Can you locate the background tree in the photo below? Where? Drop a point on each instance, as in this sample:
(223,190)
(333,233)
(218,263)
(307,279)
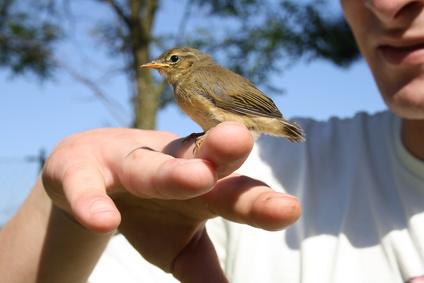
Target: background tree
(255,38)
(27,37)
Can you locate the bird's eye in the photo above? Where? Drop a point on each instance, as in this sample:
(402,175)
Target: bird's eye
(174,58)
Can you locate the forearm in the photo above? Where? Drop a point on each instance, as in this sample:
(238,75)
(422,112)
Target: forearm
(42,243)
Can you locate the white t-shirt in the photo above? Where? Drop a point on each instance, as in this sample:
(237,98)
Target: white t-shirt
(362,198)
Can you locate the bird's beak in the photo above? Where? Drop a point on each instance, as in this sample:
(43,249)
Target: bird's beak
(154,65)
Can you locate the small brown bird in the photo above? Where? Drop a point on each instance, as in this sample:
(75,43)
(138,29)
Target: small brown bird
(211,94)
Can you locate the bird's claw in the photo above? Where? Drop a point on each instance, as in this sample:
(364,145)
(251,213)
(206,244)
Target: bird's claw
(198,139)
(197,143)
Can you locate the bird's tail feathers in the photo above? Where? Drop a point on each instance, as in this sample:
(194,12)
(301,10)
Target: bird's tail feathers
(282,128)
(293,132)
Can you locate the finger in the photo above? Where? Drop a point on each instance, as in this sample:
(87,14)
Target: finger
(198,262)
(249,201)
(85,192)
(150,174)
(227,146)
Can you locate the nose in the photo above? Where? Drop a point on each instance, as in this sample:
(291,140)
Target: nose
(393,11)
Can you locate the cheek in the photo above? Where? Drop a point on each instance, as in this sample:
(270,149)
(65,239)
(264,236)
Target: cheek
(363,26)
(402,89)
(355,14)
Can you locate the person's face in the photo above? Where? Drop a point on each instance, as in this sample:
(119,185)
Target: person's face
(390,35)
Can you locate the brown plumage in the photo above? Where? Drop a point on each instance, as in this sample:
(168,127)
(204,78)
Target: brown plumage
(211,94)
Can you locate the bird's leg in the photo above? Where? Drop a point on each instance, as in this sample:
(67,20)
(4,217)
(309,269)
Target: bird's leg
(193,136)
(197,142)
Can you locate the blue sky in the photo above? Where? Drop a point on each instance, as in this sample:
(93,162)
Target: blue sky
(35,115)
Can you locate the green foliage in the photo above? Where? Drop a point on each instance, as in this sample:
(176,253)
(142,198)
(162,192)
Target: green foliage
(257,38)
(26,40)
(329,39)
(268,36)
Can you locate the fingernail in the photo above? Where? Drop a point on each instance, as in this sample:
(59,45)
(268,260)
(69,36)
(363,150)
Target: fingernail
(290,196)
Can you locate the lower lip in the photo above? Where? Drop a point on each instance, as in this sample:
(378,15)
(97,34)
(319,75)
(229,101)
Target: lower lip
(403,56)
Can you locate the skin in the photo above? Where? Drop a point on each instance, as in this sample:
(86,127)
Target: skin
(396,25)
(95,181)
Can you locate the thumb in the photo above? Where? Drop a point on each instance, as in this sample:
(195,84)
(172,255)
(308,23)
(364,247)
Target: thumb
(198,262)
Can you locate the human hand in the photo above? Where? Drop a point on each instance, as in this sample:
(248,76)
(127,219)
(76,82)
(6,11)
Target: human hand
(163,195)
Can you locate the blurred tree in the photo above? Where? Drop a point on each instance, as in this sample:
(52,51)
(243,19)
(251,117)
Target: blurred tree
(253,37)
(268,35)
(27,38)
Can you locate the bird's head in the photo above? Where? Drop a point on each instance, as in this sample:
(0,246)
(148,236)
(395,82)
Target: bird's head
(175,63)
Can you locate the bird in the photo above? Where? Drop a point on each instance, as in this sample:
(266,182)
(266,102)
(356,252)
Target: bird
(210,94)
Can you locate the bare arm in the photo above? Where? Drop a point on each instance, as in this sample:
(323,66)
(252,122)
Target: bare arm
(148,185)
(41,243)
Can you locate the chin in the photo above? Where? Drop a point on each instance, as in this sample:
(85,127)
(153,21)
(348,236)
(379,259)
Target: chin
(404,95)
(407,104)
(409,113)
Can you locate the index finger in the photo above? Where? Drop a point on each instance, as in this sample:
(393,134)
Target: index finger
(226,146)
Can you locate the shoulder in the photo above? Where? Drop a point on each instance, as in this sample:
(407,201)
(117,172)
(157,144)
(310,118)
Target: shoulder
(334,126)
(327,133)
(329,144)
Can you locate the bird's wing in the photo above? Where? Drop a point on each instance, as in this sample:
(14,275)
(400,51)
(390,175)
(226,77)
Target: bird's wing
(233,92)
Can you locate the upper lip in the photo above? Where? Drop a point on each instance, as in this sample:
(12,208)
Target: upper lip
(401,43)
